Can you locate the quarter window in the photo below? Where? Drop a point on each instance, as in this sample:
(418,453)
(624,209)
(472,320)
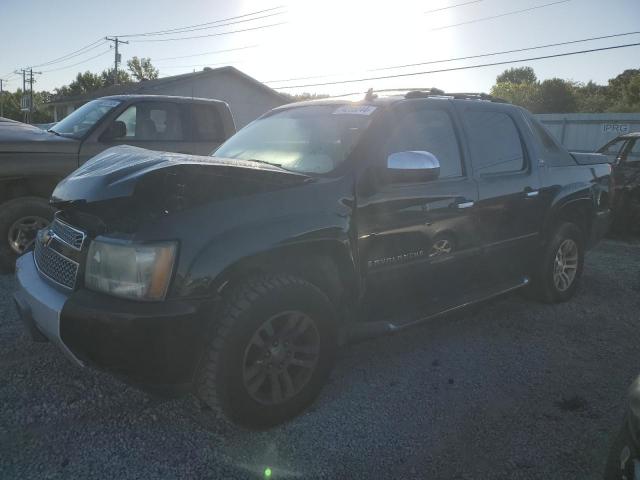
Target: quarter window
(495,142)
(430,131)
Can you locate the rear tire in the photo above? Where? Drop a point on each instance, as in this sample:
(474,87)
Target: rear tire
(558,273)
(254,341)
(32,213)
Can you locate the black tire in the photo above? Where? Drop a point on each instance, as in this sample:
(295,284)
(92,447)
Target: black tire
(544,287)
(10,212)
(220,383)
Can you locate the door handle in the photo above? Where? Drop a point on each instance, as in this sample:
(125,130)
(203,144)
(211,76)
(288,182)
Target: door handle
(465,204)
(532,193)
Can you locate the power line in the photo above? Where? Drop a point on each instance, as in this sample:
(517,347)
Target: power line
(206,53)
(453,6)
(510,51)
(210,26)
(175,30)
(212,34)
(78,63)
(468,67)
(469,57)
(199,65)
(73,54)
(500,15)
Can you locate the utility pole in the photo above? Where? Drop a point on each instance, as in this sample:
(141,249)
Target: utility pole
(23,106)
(31,72)
(116,61)
(1,98)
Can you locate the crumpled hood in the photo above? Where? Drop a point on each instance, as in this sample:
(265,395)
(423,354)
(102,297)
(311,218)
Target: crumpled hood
(119,171)
(23,138)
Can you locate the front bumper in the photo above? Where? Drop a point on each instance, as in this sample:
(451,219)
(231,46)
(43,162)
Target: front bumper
(153,344)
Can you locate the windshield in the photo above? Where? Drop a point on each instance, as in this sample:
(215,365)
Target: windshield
(80,121)
(313,139)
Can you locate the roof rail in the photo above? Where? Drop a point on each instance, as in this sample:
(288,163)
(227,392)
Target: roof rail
(476,96)
(432,92)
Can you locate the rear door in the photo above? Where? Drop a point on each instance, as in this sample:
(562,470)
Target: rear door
(206,131)
(509,208)
(416,238)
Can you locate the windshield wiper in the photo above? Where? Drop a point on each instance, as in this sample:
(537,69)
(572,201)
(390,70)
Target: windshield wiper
(279,165)
(51,130)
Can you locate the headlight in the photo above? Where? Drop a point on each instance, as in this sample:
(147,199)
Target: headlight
(138,271)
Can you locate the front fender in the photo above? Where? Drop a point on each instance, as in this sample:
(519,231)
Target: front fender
(304,234)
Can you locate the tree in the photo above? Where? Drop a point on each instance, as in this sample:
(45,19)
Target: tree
(624,91)
(526,95)
(591,98)
(107,77)
(557,96)
(84,83)
(518,75)
(41,113)
(141,69)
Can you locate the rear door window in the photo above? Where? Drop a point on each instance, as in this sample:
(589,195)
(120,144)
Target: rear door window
(206,124)
(496,146)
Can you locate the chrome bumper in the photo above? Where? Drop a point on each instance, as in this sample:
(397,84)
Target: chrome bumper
(40,303)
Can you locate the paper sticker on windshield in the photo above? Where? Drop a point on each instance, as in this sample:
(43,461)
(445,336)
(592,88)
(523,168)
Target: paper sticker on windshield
(355,110)
(109,103)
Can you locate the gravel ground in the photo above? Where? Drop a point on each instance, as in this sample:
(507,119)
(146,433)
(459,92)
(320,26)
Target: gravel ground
(514,390)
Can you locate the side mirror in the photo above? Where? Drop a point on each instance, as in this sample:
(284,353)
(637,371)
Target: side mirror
(416,166)
(117,129)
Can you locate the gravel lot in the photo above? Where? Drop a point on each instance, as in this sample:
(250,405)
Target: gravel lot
(515,390)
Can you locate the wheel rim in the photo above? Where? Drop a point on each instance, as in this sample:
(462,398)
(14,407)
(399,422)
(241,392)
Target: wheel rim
(565,265)
(22,232)
(440,247)
(281,357)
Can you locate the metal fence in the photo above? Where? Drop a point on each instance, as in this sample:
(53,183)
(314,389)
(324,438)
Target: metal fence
(586,132)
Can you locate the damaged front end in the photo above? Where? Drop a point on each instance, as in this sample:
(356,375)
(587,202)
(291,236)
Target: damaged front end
(125,187)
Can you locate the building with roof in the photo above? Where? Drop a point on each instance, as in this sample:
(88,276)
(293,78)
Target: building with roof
(247,97)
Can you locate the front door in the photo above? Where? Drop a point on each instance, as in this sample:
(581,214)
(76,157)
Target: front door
(417,239)
(627,185)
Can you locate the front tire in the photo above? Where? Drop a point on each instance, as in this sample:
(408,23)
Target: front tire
(557,276)
(270,352)
(20,219)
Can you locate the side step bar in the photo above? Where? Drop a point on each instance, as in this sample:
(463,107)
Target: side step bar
(368,330)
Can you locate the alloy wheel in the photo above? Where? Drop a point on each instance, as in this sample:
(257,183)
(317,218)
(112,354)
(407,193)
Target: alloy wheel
(565,265)
(281,357)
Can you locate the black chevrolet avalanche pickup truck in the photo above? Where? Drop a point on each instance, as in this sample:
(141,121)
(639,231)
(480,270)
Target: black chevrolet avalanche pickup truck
(237,276)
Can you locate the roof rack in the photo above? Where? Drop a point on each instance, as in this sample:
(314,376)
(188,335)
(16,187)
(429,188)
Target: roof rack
(433,92)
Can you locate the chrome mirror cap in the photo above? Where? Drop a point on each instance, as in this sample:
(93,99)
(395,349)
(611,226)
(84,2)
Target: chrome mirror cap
(414,161)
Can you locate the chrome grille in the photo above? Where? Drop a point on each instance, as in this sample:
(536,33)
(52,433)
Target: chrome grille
(68,234)
(55,266)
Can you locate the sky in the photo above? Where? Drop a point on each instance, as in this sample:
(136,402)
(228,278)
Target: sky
(331,40)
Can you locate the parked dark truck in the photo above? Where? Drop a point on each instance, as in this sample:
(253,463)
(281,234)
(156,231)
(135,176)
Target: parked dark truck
(623,153)
(33,161)
(237,276)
